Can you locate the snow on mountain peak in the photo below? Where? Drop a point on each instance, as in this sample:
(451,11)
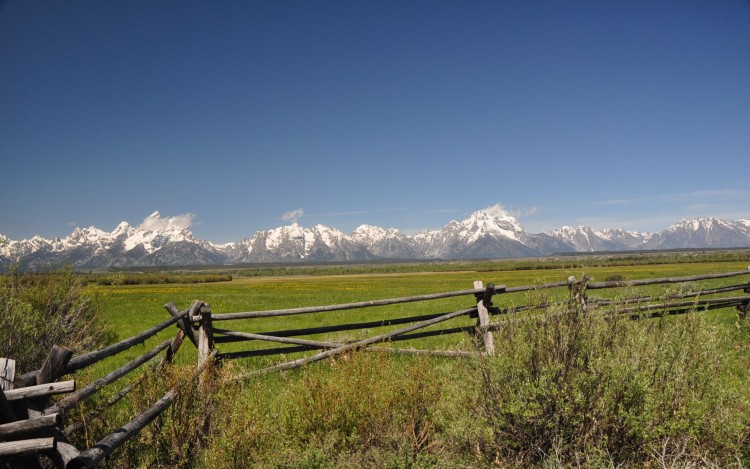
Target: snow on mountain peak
(491,232)
(492,221)
(694,224)
(123,228)
(368,235)
(155,222)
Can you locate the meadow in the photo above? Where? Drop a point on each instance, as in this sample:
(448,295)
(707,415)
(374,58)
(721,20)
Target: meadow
(565,387)
(558,392)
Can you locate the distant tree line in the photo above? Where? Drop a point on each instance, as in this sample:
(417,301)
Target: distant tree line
(121,278)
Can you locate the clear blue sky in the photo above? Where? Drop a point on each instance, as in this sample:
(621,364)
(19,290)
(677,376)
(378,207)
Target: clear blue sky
(403,114)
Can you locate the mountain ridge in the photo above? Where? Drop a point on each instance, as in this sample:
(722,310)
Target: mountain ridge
(489,233)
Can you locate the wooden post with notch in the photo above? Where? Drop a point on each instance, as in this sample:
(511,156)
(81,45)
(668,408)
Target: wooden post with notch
(578,296)
(205,334)
(483,317)
(7,373)
(7,376)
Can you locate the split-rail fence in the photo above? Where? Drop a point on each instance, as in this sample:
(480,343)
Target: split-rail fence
(33,425)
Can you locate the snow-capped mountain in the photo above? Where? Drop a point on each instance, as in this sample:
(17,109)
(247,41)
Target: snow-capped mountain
(295,243)
(703,232)
(156,241)
(587,239)
(385,243)
(485,234)
(489,233)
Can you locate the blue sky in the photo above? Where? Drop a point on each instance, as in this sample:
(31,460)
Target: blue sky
(630,114)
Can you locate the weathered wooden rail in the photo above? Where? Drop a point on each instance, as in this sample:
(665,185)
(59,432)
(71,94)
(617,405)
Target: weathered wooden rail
(32,428)
(31,425)
(639,306)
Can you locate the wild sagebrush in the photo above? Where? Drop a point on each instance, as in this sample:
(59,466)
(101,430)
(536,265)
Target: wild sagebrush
(46,309)
(568,384)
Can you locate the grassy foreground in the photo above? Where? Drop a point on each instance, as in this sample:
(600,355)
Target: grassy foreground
(563,389)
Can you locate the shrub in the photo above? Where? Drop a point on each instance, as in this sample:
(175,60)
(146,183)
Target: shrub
(572,387)
(615,278)
(42,310)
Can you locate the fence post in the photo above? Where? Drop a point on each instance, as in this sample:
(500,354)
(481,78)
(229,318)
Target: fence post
(483,316)
(7,375)
(744,308)
(205,334)
(54,365)
(577,290)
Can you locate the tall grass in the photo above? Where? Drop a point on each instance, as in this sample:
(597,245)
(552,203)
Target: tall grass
(565,388)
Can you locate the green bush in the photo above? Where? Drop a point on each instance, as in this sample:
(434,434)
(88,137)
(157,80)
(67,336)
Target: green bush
(42,310)
(569,387)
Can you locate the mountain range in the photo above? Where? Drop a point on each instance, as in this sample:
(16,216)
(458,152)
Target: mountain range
(484,234)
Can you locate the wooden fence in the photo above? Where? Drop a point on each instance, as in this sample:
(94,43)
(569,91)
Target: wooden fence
(31,425)
(579,295)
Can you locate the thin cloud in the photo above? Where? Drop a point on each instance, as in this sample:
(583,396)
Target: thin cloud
(619,201)
(497,210)
(525,212)
(500,210)
(155,222)
(680,197)
(365,212)
(293,216)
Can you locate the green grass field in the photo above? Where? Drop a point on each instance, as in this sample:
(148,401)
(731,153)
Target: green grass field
(393,411)
(128,309)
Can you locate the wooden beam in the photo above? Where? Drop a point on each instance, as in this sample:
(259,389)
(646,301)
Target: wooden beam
(172,350)
(8,370)
(24,427)
(657,281)
(7,373)
(327,345)
(184,323)
(65,404)
(54,365)
(205,334)
(483,317)
(356,345)
(85,360)
(6,413)
(340,327)
(27,446)
(303,348)
(47,389)
(74,427)
(345,306)
(94,455)
(695,304)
